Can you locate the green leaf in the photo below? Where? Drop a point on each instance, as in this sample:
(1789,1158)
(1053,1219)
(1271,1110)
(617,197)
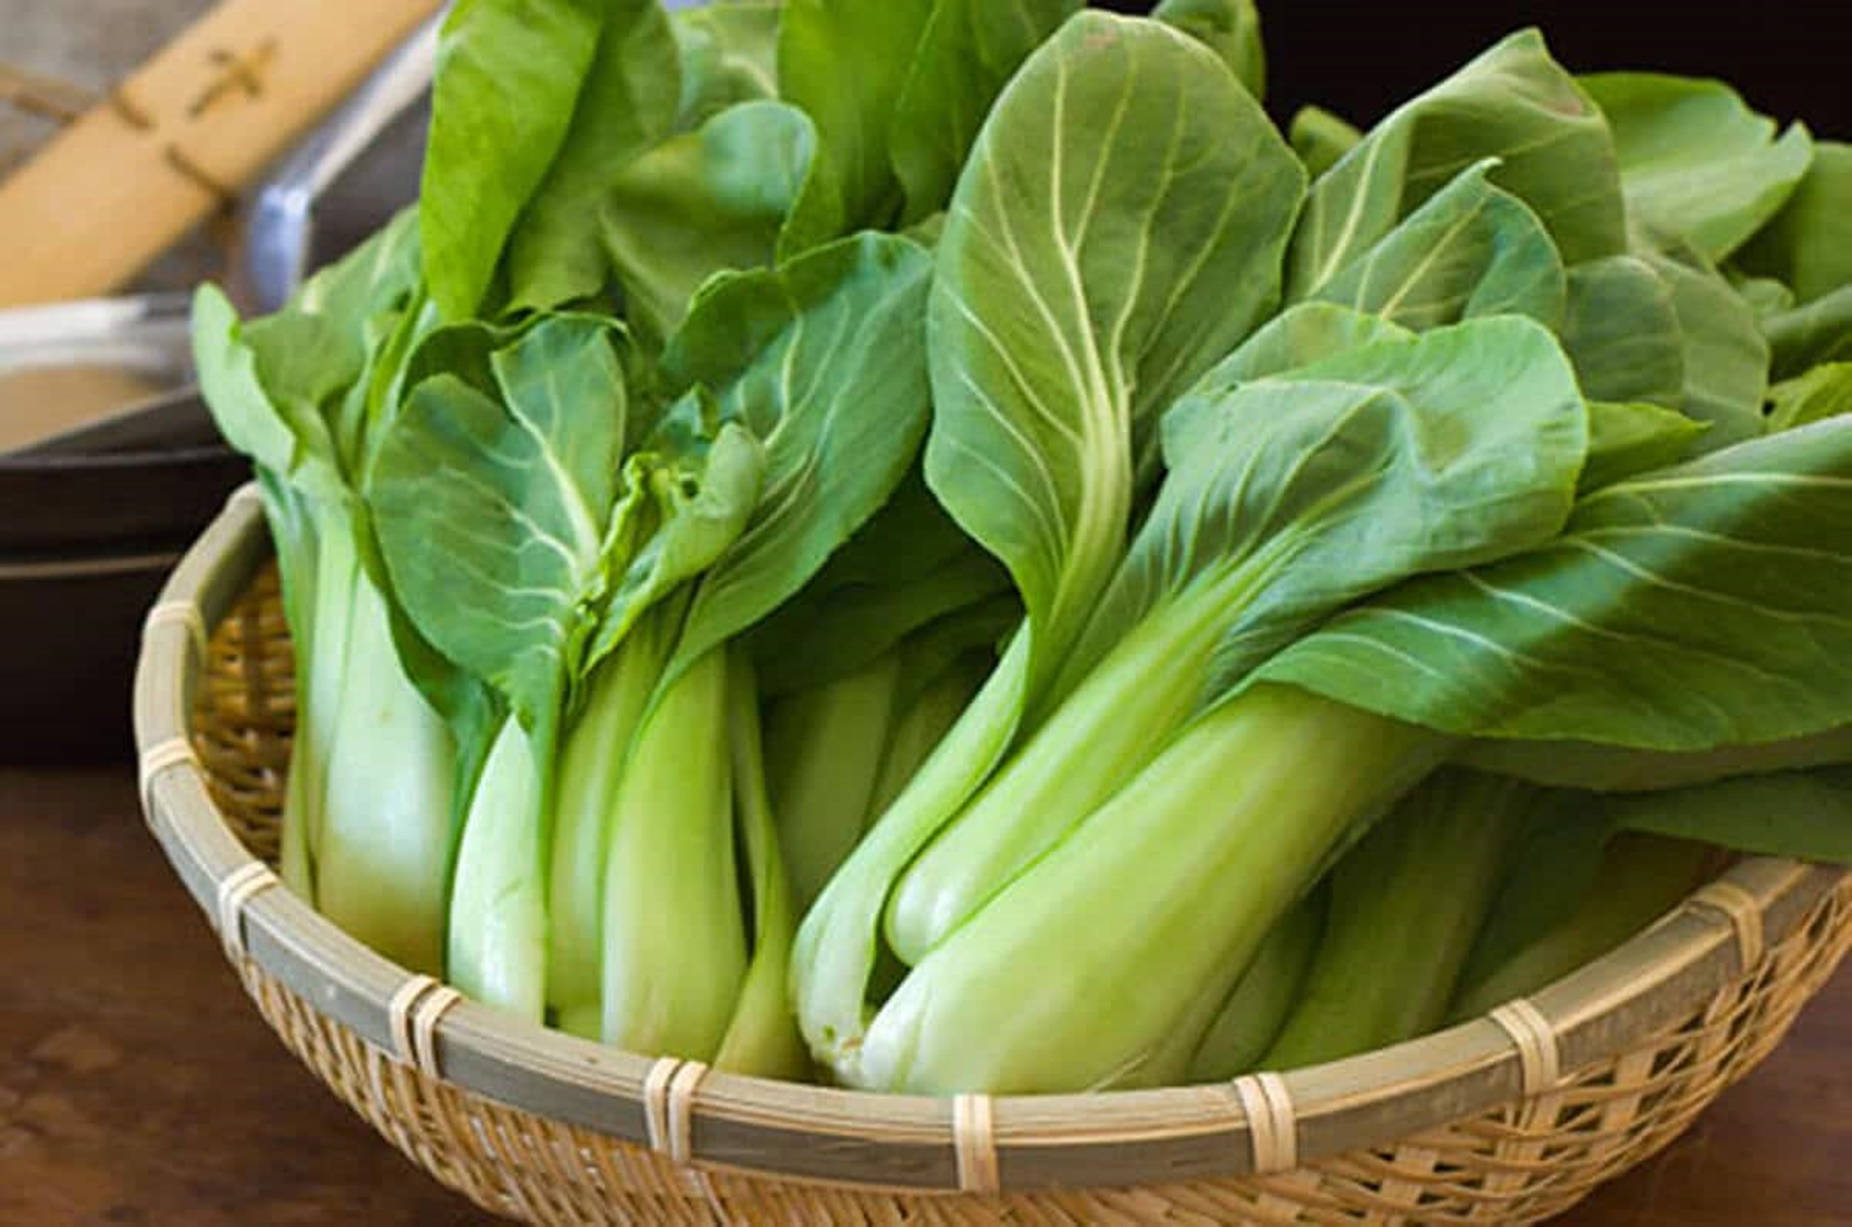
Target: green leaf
(1513,103)
(729,54)
(1086,276)
(1824,392)
(1806,815)
(1684,609)
(744,188)
(1807,335)
(1695,161)
(906,567)
(626,105)
(1765,295)
(1562,763)
(1302,334)
(491,511)
(809,643)
(1343,476)
(283,433)
(968,51)
(1808,246)
(1726,358)
(380,275)
(824,361)
(1470,249)
(1625,439)
(1321,139)
(1622,333)
(698,501)
(1230,28)
(817,40)
(508,78)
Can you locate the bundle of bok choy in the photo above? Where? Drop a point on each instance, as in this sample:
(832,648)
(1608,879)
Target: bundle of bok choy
(998,571)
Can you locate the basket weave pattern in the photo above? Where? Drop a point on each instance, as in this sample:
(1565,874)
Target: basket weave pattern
(1522,1162)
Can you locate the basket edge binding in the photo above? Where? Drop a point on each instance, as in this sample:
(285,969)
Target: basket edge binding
(1256,1125)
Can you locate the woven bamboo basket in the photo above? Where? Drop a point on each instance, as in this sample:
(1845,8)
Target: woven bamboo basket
(1507,1119)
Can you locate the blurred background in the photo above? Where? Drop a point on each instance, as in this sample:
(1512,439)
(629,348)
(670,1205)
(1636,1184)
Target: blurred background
(85,46)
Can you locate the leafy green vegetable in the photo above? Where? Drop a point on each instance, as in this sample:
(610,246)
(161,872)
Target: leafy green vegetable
(1274,515)
(1321,138)
(1513,103)
(626,104)
(299,393)
(852,110)
(751,183)
(1405,905)
(1694,160)
(1251,1015)
(493,513)
(1230,28)
(1469,250)
(1229,801)
(1132,288)
(485,157)
(1808,245)
(1083,283)
(1671,614)
(1622,333)
(729,54)
(1823,392)
(968,51)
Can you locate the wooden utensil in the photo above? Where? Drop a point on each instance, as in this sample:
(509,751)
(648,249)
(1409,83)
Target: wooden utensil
(178,138)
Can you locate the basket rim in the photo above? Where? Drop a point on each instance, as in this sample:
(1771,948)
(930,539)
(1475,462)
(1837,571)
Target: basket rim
(908,1142)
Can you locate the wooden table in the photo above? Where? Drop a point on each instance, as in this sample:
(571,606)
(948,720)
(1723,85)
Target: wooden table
(137,1087)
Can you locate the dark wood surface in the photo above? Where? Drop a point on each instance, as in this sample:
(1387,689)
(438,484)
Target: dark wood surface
(138,1087)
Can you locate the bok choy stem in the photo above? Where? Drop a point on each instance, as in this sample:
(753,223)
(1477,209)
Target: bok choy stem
(591,767)
(923,726)
(497,938)
(762,1038)
(1181,873)
(1406,904)
(1256,1008)
(1642,877)
(1124,710)
(823,748)
(674,932)
(384,845)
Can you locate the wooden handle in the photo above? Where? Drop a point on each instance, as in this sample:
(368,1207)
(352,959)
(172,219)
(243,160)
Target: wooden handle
(179,138)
